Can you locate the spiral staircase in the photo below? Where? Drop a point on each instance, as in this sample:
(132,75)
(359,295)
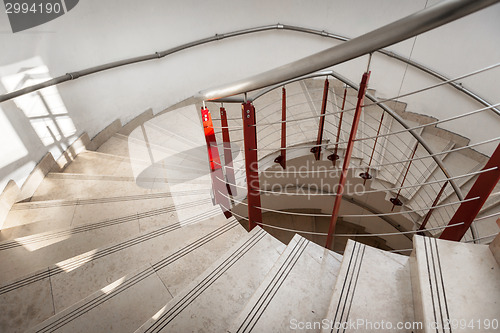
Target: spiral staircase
(126,237)
(150,226)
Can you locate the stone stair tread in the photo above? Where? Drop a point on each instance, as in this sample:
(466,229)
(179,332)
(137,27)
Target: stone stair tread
(454,281)
(295,290)
(150,286)
(372,285)
(32,218)
(74,279)
(97,163)
(90,162)
(233,277)
(79,186)
(25,220)
(39,250)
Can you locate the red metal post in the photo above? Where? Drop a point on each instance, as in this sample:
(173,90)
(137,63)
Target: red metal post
(468,210)
(282,158)
(228,156)
(434,204)
(334,157)
(319,140)
(395,201)
(251,164)
(347,158)
(219,186)
(366,175)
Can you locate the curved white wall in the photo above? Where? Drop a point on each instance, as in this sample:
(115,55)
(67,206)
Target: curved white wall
(96,32)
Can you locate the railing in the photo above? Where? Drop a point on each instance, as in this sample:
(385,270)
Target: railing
(434,184)
(269,122)
(371,42)
(387,35)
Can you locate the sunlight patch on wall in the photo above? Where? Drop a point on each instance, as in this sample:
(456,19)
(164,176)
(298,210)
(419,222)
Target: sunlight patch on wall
(44,108)
(13,148)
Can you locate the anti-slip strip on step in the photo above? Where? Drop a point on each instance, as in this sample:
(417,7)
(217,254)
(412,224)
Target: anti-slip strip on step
(272,288)
(352,274)
(86,177)
(436,284)
(98,225)
(95,302)
(75,202)
(91,256)
(136,278)
(211,278)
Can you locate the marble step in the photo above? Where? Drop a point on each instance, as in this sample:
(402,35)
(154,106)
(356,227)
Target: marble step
(29,218)
(32,299)
(373,286)
(80,186)
(162,141)
(456,283)
(212,300)
(23,255)
(98,163)
(133,145)
(148,160)
(128,302)
(296,290)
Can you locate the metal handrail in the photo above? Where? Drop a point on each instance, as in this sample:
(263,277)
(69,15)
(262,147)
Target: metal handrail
(158,55)
(410,26)
(347,235)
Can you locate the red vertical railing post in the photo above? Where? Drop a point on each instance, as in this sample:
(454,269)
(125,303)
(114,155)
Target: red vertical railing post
(228,155)
(366,175)
(468,210)
(319,140)
(221,194)
(334,157)
(395,201)
(282,158)
(251,164)
(347,158)
(429,213)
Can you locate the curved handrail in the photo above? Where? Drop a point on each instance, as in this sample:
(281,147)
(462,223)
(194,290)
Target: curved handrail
(158,55)
(410,26)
